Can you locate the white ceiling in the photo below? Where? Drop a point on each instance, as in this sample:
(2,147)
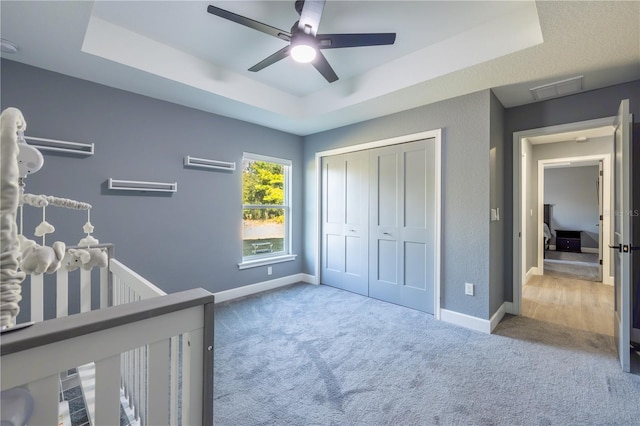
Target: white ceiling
(176,51)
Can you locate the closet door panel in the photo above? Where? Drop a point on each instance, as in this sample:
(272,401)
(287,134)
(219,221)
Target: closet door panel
(415,271)
(414,189)
(334,259)
(384,252)
(418,231)
(402,197)
(387,188)
(345,222)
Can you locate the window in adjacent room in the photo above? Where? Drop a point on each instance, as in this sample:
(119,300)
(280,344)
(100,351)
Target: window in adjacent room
(266,210)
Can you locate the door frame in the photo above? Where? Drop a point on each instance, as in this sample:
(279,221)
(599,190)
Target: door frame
(429,134)
(605,231)
(519,139)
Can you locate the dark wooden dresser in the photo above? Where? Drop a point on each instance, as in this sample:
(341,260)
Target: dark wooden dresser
(568,241)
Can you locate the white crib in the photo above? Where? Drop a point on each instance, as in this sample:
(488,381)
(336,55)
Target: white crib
(139,348)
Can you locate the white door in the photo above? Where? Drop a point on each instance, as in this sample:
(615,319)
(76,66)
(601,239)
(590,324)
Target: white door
(345,222)
(402,224)
(622,234)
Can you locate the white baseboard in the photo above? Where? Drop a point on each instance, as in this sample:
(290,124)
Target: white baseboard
(467,321)
(590,250)
(508,307)
(635,335)
(531,272)
(234,293)
(497,317)
(311,279)
(607,280)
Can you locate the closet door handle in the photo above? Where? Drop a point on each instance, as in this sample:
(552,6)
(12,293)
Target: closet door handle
(619,247)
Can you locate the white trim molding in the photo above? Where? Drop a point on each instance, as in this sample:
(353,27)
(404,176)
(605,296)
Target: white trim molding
(508,306)
(475,323)
(497,316)
(531,272)
(270,260)
(247,290)
(464,320)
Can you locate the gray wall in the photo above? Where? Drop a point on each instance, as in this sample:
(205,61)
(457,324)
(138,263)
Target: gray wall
(189,239)
(497,229)
(573,193)
(580,107)
(466,190)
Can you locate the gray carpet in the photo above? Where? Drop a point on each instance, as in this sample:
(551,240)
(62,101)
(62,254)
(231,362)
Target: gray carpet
(315,355)
(582,266)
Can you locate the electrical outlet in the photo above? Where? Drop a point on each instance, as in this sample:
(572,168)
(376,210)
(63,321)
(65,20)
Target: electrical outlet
(269,270)
(469,289)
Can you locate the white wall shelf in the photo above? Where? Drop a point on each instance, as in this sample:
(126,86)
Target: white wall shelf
(203,163)
(136,185)
(54,145)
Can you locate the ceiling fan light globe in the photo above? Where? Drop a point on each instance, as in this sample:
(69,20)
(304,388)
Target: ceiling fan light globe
(303,53)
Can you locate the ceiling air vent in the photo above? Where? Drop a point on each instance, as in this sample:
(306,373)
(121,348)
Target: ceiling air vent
(559,88)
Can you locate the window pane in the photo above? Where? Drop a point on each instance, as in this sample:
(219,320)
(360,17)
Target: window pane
(263,231)
(262,183)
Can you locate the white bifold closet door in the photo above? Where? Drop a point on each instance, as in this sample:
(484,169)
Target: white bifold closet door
(345,221)
(402,224)
(378,223)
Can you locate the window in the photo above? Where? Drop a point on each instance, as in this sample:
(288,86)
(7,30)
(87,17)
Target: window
(266,211)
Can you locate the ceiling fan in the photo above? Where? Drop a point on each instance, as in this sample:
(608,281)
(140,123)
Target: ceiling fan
(304,42)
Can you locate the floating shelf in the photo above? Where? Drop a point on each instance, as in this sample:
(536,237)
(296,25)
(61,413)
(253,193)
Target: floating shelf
(54,145)
(203,163)
(136,185)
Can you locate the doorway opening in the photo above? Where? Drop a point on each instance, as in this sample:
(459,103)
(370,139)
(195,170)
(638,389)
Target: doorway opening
(537,291)
(574,201)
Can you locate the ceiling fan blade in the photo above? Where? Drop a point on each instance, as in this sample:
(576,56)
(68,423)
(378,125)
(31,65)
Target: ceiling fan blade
(310,16)
(280,54)
(335,41)
(247,22)
(322,65)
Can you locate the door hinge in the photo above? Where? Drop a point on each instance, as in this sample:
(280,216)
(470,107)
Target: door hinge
(601,218)
(601,261)
(601,173)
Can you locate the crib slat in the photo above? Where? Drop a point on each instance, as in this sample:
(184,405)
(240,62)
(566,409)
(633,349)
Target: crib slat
(85,290)
(192,385)
(62,293)
(158,401)
(104,287)
(107,412)
(37,297)
(174,372)
(45,394)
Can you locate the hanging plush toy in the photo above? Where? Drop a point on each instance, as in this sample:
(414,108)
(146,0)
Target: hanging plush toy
(40,259)
(86,257)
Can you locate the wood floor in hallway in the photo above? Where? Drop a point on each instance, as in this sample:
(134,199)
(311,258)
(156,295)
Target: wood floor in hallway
(584,305)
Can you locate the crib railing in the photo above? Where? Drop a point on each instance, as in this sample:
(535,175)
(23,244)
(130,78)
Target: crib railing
(168,358)
(35,356)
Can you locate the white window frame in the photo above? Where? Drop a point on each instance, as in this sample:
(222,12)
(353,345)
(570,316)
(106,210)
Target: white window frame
(285,255)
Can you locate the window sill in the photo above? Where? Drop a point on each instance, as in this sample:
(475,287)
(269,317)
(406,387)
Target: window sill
(266,261)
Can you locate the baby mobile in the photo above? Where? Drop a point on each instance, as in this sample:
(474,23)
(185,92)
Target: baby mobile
(38,259)
(19,254)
